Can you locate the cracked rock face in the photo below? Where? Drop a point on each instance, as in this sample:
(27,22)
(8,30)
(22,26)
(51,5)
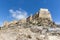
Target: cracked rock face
(25,34)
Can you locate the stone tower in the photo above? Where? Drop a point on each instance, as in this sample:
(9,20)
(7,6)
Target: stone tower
(44,13)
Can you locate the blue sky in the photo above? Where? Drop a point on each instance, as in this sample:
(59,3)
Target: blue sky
(15,9)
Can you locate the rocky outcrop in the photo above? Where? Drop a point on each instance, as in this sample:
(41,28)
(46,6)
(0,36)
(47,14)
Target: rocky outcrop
(36,27)
(42,18)
(33,33)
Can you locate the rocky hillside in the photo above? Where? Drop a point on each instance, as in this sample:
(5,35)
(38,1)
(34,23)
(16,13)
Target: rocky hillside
(33,32)
(33,28)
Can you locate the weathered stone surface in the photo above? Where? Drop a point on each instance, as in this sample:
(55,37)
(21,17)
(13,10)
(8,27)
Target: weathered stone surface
(25,34)
(35,27)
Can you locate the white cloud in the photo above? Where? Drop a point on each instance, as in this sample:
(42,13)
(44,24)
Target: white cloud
(18,14)
(57,23)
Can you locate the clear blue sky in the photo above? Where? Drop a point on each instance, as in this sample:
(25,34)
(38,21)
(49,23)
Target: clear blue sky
(8,7)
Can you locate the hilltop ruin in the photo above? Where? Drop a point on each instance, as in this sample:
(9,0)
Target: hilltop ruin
(39,26)
(42,18)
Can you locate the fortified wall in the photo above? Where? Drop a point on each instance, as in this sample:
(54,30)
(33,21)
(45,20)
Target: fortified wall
(42,13)
(43,17)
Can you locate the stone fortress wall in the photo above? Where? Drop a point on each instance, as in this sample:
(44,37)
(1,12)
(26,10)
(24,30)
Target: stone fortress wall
(42,13)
